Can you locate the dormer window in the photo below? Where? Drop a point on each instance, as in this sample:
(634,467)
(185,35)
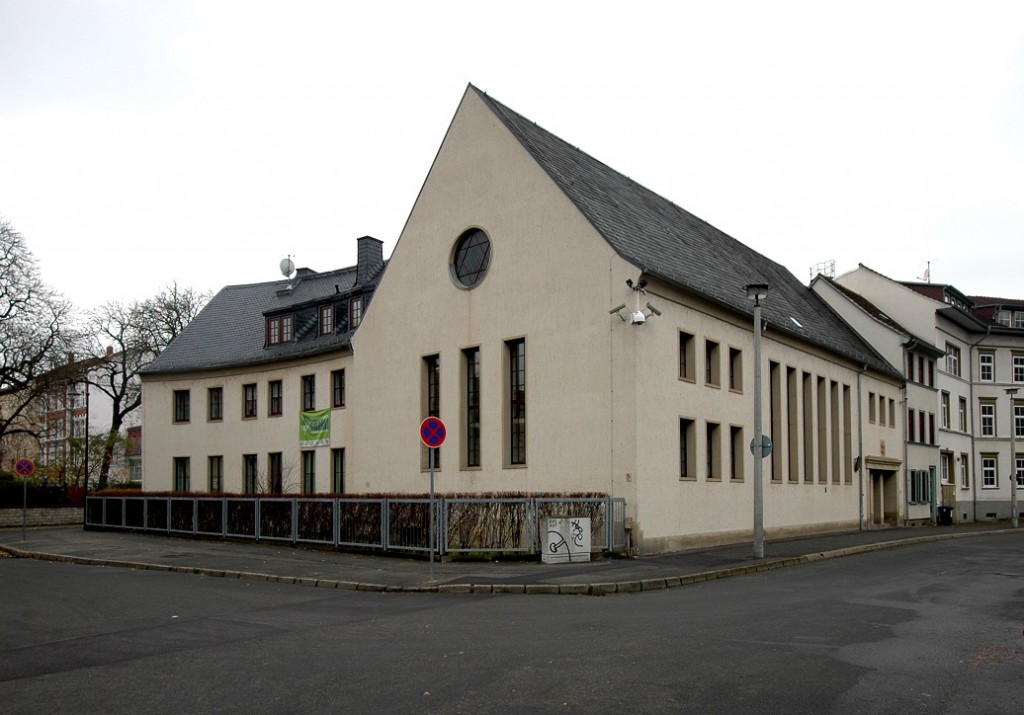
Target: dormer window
(355,312)
(279,330)
(326,319)
(1003,318)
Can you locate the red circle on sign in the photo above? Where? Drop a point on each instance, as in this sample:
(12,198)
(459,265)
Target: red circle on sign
(25,467)
(433,432)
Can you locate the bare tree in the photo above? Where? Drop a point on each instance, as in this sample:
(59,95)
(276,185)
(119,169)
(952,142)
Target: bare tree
(35,336)
(132,335)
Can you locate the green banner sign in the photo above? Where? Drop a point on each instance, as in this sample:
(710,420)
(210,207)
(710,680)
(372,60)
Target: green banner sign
(315,428)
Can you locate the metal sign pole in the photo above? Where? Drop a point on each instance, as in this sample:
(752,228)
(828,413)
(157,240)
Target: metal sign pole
(432,538)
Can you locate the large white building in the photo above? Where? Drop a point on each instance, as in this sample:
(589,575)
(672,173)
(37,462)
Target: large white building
(576,332)
(981,342)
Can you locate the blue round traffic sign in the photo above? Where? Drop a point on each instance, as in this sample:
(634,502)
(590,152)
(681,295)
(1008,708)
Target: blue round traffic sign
(433,432)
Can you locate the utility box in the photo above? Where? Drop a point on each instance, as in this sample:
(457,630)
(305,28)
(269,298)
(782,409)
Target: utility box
(565,539)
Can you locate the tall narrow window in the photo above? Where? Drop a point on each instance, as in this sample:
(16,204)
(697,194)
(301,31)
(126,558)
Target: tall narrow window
(215,404)
(965,471)
(279,330)
(1019,469)
(833,405)
(215,474)
(471,363)
(944,410)
(822,430)
(986,367)
(276,394)
(847,436)
(911,436)
(687,450)
(686,359)
(182,409)
(338,470)
(712,368)
(355,312)
(736,456)
(338,388)
(182,478)
(308,393)
(275,473)
(1018,420)
(326,319)
(735,370)
(516,401)
(308,472)
(989,471)
(962,411)
(775,418)
(250,476)
(952,359)
(793,423)
(809,423)
(249,401)
(713,452)
(1018,367)
(431,402)
(988,419)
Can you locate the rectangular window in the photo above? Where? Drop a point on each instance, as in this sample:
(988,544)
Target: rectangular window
(275,390)
(279,330)
(822,430)
(1018,420)
(986,367)
(686,357)
(892,413)
(1003,318)
(962,412)
(250,476)
(182,479)
(872,418)
(736,458)
(945,471)
(910,367)
(988,419)
(847,435)
(1019,469)
(215,474)
(249,401)
(775,417)
(989,471)
(431,403)
(1018,367)
(326,319)
(834,407)
(931,428)
(712,369)
(713,452)
(735,370)
(944,409)
(275,473)
(911,436)
(182,409)
(338,388)
(471,365)
(308,472)
(881,410)
(355,312)
(965,471)
(308,393)
(931,373)
(516,350)
(687,449)
(215,404)
(1018,319)
(793,424)
(952,359)
(338,470)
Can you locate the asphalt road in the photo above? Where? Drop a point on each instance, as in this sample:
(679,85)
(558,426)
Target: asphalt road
(927,628)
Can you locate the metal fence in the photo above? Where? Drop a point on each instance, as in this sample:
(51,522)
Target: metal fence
(464,525)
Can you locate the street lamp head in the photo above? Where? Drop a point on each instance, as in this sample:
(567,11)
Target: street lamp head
(756,291)
(1011,391)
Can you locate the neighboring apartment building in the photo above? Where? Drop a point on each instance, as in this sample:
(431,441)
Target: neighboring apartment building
(983,357)
(576,333)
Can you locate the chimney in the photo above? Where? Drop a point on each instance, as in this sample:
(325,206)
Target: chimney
(110,351)
(370,260)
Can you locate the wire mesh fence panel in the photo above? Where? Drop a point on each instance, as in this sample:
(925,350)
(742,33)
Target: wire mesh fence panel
(183,515)
(241,520)
(210,516)
(113,512)
(156,514)
(316,521)
(361,523)
(409,524)
(135,513)
(275,519)
(487,525)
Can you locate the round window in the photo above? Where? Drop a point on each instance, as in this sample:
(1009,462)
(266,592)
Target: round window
(471,258)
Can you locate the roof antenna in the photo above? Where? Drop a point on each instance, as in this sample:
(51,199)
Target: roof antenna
(927,277)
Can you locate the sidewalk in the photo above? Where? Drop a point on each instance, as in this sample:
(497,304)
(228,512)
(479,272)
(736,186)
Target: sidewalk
(329,569)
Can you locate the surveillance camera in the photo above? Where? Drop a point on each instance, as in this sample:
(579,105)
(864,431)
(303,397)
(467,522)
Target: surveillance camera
(653,310)
(638,318)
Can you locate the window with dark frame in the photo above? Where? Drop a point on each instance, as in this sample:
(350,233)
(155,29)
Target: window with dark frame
(687,469)
(249,401)
(215,404)
(275,473)
(215,469)
(338,388)
(182,478)
(308,393)
(471,358)
(250,476)
(471,258)
(326,320)
(308,472)
(517,401)
(338,470)
(182,407)
(275,390)
(686,359)
(279,329)
(355,312)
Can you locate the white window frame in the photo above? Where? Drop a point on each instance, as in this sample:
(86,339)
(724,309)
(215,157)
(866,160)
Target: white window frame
(988,419)
(990,472)
(986,367)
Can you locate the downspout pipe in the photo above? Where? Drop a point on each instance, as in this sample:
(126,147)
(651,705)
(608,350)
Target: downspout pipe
(860,444)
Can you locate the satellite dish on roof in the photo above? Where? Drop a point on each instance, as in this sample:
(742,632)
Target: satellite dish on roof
(287,267)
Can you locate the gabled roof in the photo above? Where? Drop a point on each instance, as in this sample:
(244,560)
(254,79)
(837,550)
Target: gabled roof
(231,329)
(669,243)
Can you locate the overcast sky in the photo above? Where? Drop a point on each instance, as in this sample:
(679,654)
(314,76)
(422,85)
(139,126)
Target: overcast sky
(147,142)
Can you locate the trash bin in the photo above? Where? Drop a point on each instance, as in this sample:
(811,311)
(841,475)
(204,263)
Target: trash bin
(945,516)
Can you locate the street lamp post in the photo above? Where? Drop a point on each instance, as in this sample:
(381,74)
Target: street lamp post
(757,291)
(1012,391)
